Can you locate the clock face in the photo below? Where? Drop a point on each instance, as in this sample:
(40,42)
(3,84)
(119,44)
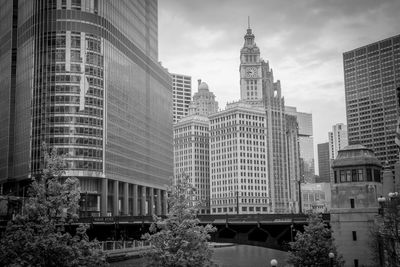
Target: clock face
(251,72)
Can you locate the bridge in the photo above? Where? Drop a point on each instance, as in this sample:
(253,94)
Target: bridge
(266,230)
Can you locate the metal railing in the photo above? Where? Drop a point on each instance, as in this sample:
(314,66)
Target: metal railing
(113,246)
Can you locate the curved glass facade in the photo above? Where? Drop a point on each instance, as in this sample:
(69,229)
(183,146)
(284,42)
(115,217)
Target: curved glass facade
(69,87)
(88,83)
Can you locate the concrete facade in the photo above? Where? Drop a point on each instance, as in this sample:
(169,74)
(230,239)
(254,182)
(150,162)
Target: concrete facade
(355,193)
(371,76)
(337,140)
(204,102)
(191,156)
(181,95)
(324,163)
(238,161)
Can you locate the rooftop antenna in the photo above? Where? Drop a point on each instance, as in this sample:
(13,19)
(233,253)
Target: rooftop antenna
(248,22)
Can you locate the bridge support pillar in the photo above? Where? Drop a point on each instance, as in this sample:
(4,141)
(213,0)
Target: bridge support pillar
(135,200)
(158,202)
(104,197)
(116,198)
(125,207)
(143,201)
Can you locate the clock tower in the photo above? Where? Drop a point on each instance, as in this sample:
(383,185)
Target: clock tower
(250,69)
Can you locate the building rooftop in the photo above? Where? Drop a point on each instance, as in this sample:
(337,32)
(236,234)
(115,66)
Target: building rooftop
(355,155)
(192,118)
(203,86)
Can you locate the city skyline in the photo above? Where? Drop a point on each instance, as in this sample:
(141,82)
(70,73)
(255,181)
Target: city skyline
(304,42)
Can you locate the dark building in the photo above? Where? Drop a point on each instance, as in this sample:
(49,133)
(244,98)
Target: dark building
(371,76)
(323,163)
(83,76)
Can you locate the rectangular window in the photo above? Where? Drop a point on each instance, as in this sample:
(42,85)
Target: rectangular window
(342,177)
(369,175)
(355,262)
(354,175)
(348,176)
(335,176)
(360,175)
(354,235)
(377,175)
(352,203)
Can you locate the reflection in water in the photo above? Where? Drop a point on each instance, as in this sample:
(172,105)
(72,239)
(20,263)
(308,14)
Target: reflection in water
(235,256)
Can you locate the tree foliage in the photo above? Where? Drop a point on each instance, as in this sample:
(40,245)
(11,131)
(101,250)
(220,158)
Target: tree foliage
(179,240)
(312,247)
(385,241)
(37,236)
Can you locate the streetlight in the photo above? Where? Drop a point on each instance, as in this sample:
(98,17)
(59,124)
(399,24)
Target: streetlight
(274,263)
(331,256)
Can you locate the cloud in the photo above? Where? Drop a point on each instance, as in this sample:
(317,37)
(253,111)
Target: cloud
(303,41)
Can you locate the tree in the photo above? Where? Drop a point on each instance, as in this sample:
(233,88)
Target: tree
(179,240)
(312,247)
(385,241)
(37,236)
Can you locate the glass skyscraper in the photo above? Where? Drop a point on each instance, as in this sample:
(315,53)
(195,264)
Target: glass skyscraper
(83,76)
(371,76)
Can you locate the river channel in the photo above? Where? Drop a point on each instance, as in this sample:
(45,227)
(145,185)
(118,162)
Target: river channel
(233,256)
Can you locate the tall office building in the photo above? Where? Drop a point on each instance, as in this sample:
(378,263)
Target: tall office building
(204,102)
(83,76)
(258,88)
(182,94)
(252,142)
(337,139)
(324,164)
(238,160)
(306,142)
(293,161)
(191,155)
(371,76)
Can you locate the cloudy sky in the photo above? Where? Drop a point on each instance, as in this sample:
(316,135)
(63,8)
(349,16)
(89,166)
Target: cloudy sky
(302,39)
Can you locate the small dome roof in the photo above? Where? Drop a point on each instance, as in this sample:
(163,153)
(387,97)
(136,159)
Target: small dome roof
(203,86)
(355,155)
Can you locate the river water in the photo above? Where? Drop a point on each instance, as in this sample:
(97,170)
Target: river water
(234,256)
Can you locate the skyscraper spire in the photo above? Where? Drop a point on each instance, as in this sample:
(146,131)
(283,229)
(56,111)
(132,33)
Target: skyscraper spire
(249,37)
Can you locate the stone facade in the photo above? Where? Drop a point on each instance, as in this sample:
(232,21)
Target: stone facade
(355,193)
(204,102)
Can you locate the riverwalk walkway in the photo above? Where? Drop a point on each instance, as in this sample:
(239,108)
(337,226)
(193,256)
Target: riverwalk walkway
(122,250)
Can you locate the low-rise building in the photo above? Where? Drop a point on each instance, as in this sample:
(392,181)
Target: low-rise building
(316,197)
(355,191)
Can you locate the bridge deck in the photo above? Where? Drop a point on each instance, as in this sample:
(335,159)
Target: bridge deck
(212,219)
